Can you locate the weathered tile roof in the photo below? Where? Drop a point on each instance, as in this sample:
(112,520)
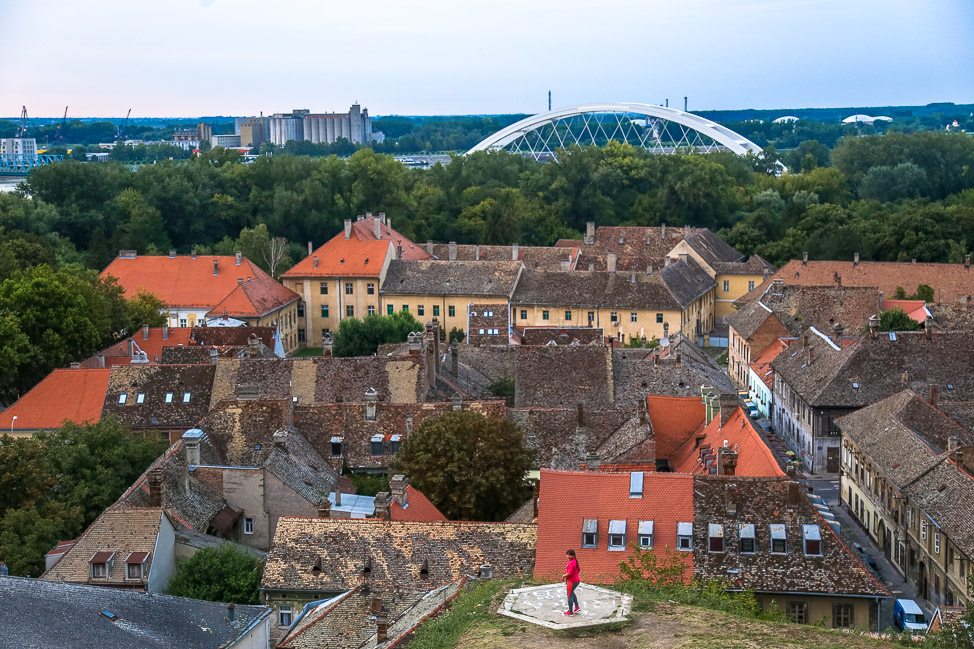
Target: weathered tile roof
(232,336)
(634,247)
(733,500)
(754,458)
(712,249)
(531,256)
(301,467)
(46,615)
(687,281)
(945,493)
(394,552)
(755,265)
(363,228)
(593,289)
(165,403)
(152,343)
(749,318)
(119,532)
(63,395)
(242,432)
(254,298)
(636,374)
(264,378)
(562,335)
(552,376)
(190,282)
(800,307)
(633,441)
(457,278)
(762,364)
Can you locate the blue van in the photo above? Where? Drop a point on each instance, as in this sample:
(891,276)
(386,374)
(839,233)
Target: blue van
(908,616)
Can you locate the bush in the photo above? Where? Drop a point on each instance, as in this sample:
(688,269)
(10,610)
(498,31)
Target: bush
(223,574)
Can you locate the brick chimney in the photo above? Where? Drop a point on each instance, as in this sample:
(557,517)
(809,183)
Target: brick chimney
(231,611)
(726,460)
(381,627)
(383,506)
(581,415)
(874,323)
(837,330)
(455,358)
(728,406)
(662,230)
(794,493)
(348,228)
(324,508)
(515,252)
(590,232)
(155,487)
(453,250)
(610,262)
(397,488)
(933,395)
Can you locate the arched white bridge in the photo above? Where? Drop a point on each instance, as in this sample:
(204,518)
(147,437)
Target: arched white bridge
(657,128)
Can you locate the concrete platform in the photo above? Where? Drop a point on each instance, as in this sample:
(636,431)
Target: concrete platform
(546,605)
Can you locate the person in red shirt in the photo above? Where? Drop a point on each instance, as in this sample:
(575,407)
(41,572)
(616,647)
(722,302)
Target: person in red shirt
(571,579)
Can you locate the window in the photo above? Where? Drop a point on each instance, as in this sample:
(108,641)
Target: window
(923,530)
(248,525)
(488,314)
(636,484)
(348,288)
(779,544)
(378,448)
(300,335)
(750,285)
(715,536)
(633,317)
(284,616)
(349,311)
(936,542)
(590,533)
(568,315)
(813,540)
(684,537)
(798,612)
(405,308)
(187,396)
(140,397)
(842,616)
(182,322)
(436,310)
(122,398)
(659,318)
(746,534)
(133,571)
(614,317)
(451,311)
(371,309)
(324,311)
(168,398)
(395,441)
(645,534)
(300,309)
(421,310)
(370,288)
(726,286)
(323,288)
(389,309)
(99,570)
(336,446)
(617,535)
(524,314)
(544,315)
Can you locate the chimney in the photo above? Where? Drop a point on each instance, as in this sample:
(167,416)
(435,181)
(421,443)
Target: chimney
(172,253)
(881,299)
(192,254)
(238,258)
(376,605)
(382,217)
(804,259)
(536,491)
(590,232)
(837,279)
(377,228)
(967,262)
(514,252)
(397,488)
(777,286)
(933,395)
(191,440)
(794,493)
(453,251)
(371,398)
(230,611)
(165,332)
(476,252)
(131,348)
(324,508)
(667,261)
(326,344)
(457,401)
(928,328)
(686,230)
(679,358)
(381,628)
(873,325)
(155,487)
(240,281)
(805,340)
(415,343)
(214,355)
(315,261)
(101,360)
(728,406)
(429,246)
(662,231)
(310,248)
(216,266)
(280,440)
(409,424)
(632,277)
(811,356)
(145,332)
(837,330)
(610,262)
(383,506)
(855,259)
(593,462)
(399,251)
(726,461)
(348,228)
(455,358)
(581,415)
(75,365)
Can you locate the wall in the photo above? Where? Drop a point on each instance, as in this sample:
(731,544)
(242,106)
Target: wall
(738,285)
(760,392)
(163,557)
(244,491)
(864,613)
(480,325)
(258,637)
(647,320)
(438,306)
(281,500)
(336,300)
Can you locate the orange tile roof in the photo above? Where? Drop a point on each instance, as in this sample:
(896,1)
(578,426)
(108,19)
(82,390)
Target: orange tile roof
(762,364)
(185,281)
(674,421)
(419,508)
(253,299)
(569,497)
(118,354)
(916,309)
(72,395)
(343,257)
(754,458)
(364,230)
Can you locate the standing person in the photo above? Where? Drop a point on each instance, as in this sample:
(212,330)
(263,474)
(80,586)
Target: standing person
(571,579)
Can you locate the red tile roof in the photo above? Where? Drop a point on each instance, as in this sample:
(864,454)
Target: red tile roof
(73,395)
(419,508)
(364,230)
(189,282)
(916,309)
(343,257)
(762,364)
(253,299)
(569,497)
(754,458)
(118,354)
(674,421)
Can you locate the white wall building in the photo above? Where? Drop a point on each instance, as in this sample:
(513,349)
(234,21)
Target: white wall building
(25,146)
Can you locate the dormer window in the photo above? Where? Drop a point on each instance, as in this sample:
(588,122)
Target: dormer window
(395,441)
(101,564)
(779,543)
(617,535)
(168,398)
(645,534)
(336,446)
(813,540)
(378,448)
(135,565)
(715,536)
(746,534)
(684,537)
(590,533)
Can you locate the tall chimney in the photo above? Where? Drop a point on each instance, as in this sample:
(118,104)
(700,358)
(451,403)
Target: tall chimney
(165,332)
(381,627)
(928,328)
(383,506)
(933,395)
(377,228)
(310,248)
(324,508)
(794,493)
(238,258)
(191,440)
(804,259)
(726,461)
(855,259)
(455,358)
(145,332)
(874,322)
(155,487)
(453,251)
(476,252)
(397,488)
(590,232)
(728,406)
(610,262)
(131,348)
(429,246)
(514,252)
(348,228)
(216,266)
(230,611)
(662,231)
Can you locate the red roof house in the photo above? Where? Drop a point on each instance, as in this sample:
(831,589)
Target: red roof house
(63,395)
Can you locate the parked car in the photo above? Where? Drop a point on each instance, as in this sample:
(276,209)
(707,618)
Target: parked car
(908,616)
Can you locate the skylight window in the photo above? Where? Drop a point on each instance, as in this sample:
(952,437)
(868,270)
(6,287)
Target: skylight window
(636,484)
(187,396)
(168,397)
(122,398)
(855,386)
(140,397)
(950,386)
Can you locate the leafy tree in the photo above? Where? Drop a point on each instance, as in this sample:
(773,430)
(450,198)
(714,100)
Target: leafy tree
(897,320)
(504,388)
(270,253)
(145,309)
(139,224)
(362,337)
(472,467)
(222,574)
(457,334)
(26,535)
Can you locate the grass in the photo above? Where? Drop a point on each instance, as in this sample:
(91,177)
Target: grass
(469,610)
(307,351)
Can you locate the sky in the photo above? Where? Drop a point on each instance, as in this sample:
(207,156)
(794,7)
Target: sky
(165,58)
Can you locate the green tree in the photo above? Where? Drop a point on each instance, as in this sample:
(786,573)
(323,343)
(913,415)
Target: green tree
(897,320)
(139,224)
(472,467)
(221,574)
(145,309)
(362,337)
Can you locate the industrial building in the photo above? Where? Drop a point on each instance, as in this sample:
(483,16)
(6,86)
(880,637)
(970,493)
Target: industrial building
(355,126)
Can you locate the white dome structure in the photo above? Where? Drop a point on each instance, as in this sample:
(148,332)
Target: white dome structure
(785,119)
(859,118)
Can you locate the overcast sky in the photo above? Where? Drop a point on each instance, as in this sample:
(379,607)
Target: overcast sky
(421,57)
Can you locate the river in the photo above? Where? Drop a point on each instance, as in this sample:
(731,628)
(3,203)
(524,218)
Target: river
(9,183)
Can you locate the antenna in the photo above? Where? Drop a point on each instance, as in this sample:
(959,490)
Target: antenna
(549,101)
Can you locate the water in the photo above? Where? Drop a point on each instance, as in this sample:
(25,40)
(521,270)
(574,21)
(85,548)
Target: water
(9,183)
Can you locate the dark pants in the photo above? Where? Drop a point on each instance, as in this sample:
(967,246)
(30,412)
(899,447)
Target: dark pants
(572,598)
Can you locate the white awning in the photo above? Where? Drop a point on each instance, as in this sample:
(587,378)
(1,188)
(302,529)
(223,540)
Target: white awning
(645,527)
(590,525)
(715,530)
(336,440)
(395,438)
(777,530)
(617,527)
(684,529)
(378,438)
(812,532)
(747,531)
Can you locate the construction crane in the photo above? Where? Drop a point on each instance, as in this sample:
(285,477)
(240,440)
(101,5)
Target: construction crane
(58,135)
(23,122)
(120,131)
